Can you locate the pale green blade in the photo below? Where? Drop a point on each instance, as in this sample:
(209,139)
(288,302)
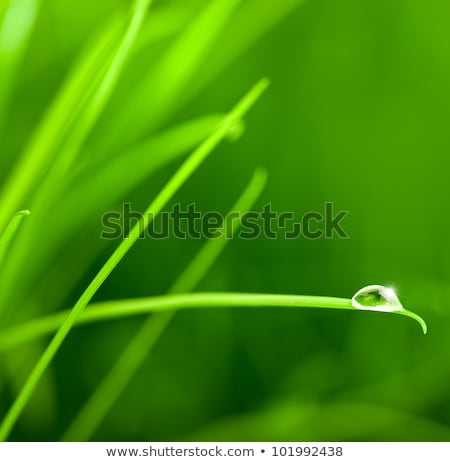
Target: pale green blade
(16,27)
(157,96)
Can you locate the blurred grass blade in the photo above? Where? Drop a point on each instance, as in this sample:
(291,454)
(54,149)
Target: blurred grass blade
(106,394)
(16,26)
(250,23)
(8,235)
(245,27)
(168,79)
(164,22)
(51,185)
(285,418)
(94,107)
(67,105)
(173,185)
(167,303)
(98,186)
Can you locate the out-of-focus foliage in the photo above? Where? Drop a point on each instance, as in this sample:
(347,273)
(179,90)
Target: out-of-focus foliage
(356,115)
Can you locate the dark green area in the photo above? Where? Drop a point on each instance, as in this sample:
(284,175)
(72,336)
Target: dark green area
(357,115)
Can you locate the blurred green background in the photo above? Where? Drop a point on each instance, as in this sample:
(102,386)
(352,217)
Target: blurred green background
(357,115)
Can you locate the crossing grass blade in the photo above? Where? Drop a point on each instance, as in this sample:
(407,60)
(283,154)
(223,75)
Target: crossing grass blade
(160,304)
(107,393)
(173,185)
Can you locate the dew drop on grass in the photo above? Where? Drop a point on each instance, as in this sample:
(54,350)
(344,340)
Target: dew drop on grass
(236,131)
(377,297)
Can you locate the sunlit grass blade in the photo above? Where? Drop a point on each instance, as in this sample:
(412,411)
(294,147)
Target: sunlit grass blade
(42,146)
(106,394)
(52,184)
(16,26)
(98,186)
(164,22)
(123,308)
(252,21)
(168,78)
(8,235)
(173,185)
(94,107)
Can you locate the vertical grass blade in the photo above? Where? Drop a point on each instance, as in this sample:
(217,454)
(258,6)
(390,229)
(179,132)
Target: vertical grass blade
(174,184)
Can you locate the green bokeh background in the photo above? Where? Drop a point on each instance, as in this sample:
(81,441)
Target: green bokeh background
(357,115)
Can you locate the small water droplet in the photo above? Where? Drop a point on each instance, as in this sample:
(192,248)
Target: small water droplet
(377,298)
(236,131)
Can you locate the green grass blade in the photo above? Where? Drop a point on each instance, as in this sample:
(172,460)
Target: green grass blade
(53,182)
(93,109)
(98,186)
(167,79)
(8,235)
(164,22)
(175,183)
(66,107)
(123,308)
(106,394)
(247,25)
(16,27)
(250,23)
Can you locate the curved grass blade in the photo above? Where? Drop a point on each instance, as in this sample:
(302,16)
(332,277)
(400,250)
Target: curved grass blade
(174,184)
(8,235)
(106,394)
(135,307)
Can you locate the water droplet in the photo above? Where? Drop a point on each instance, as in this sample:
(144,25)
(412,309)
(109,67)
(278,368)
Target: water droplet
(236,131)
(377,298)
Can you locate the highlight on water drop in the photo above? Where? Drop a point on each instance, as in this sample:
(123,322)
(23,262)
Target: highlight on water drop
(375,296)
(381,298)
